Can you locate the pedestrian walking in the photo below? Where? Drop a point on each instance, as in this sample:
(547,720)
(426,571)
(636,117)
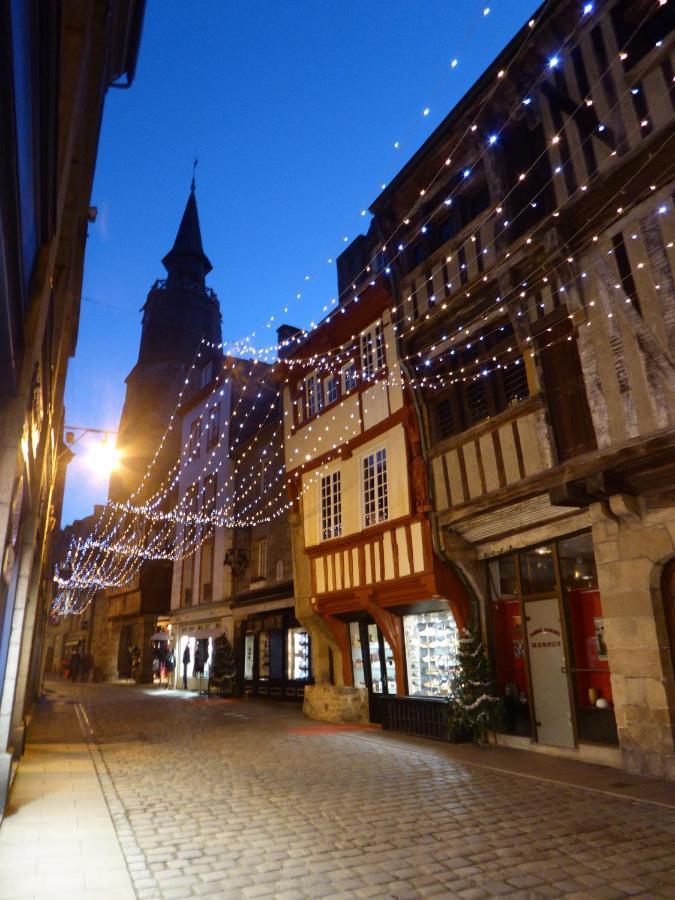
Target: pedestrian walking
(75,663)
(170,665)
(186,663)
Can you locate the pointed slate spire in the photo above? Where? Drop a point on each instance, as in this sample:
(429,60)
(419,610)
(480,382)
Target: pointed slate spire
(187,259)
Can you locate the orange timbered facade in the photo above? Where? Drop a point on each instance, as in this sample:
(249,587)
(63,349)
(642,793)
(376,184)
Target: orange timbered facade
(361,494)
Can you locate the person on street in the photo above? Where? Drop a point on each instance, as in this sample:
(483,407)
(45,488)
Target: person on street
(170,665)
(186,663)
(75,663)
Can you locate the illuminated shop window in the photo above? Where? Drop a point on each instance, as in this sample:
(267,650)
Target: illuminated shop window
(297,654)
(431,652)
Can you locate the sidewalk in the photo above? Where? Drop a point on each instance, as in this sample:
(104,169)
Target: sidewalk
(57,839)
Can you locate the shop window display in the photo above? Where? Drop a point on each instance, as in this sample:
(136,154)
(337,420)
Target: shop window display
(372,659)
(249,654)
(431,652)
(264,654)
(297,654)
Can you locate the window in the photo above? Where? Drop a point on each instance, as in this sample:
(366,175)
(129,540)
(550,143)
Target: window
(515,382)
(431,642)
(638,25)
(372,350)
(186,586)
(476,396)
(331,506)
(349,377)
(280,570)
(312,395)
(213,428)
(206,570)
(260,559)
(375,500)
(478,393)
(207,373)
(194,444)
(446,418)
(332,389)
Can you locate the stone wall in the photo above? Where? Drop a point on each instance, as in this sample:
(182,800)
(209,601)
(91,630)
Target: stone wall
(327,703)
(632,544)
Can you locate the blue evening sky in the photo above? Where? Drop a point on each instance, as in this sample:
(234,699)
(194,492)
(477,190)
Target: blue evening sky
(293,110)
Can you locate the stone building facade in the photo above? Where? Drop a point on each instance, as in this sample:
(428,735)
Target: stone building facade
(180,313)
(57,61)
(529,249)
(235,575)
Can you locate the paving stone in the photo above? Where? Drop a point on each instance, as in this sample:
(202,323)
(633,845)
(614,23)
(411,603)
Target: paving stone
(261,809)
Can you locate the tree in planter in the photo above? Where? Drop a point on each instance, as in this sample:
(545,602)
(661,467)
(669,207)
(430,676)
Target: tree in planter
(223,671)
(473,706)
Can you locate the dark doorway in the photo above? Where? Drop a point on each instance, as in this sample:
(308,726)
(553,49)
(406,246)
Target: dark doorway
(124,652)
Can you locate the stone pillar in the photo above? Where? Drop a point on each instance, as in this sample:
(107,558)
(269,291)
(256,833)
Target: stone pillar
(149,628)
(16,600)
(18,725)
(631,547)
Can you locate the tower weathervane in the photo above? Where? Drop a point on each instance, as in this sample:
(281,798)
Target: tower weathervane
(194,167)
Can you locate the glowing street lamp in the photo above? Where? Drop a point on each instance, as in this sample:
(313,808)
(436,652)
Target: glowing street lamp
(102,456)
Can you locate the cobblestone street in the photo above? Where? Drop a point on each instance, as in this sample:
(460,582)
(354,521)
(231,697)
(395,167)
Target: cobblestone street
(215,798)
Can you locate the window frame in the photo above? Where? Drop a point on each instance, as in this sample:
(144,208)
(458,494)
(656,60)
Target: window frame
(331,526)
(345,379)
(195,439)
(373,349)
(313,395)
(327,382)
(213,427)
(367,521)
(260,571)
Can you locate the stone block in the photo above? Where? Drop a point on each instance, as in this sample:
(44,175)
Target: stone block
(622,603)
(651,543)
(328,703)
(606,552)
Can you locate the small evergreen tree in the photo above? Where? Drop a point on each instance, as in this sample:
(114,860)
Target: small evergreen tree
(224,671)
(473,706)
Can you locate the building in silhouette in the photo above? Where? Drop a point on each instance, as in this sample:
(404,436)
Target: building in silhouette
(179,352)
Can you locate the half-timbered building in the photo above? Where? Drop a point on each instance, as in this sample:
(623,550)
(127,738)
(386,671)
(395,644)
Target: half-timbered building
(529,243)
(380,604)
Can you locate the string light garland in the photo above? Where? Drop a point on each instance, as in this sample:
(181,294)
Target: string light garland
(132,552)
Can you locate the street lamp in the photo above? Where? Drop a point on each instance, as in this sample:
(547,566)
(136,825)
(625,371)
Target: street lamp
(102,457)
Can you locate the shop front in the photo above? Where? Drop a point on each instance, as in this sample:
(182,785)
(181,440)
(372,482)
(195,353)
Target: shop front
(429,641)
(273,652)
(194,654)
(546,630)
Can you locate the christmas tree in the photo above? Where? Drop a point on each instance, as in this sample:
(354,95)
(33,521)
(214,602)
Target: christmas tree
(473,706)
(224,671)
